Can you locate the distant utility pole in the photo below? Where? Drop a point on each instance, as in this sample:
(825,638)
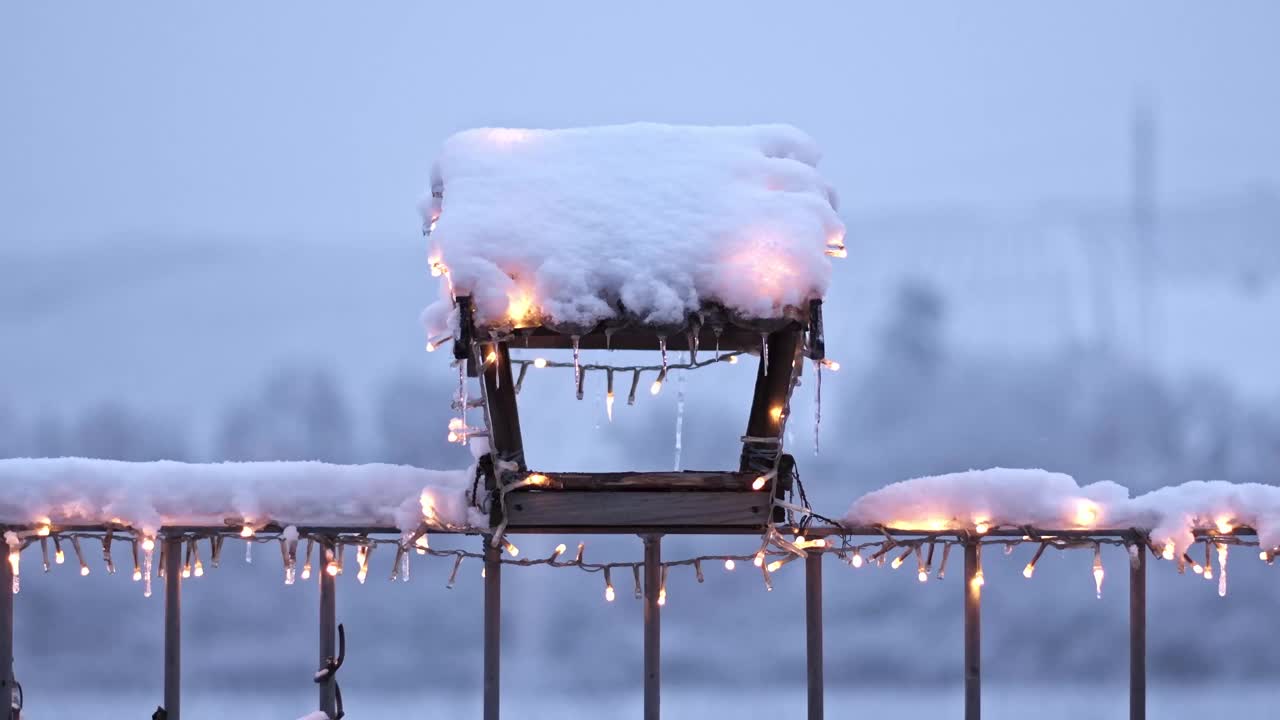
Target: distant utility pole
(1145,252)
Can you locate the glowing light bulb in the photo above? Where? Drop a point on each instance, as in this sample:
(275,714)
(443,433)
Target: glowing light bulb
(1264,556)
(538,479)
(148,544)
(512,550)
(759,483)
(84,570)
(922,576)
(491,358)
(608,405)
(856,560)
(1086,513)
(897,563)
(199,569)
(137,575)
(609,595)
(59,557)
(1098,572)
(246,531)
(981,527)
(456,423)
(733,359)
(730,564)
(831,365)
(662,597)
(759,559)
(656,387)
(1167,552)
(306,571)
(775,413)
(332,568)
(1028,571)
(44,530)
(837,252)
(539,362)
(1224,525)
(452,436)
(978,580)
(362,574)
(186,571)
(773,566)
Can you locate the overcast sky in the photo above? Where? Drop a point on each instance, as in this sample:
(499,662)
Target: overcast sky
(320,119)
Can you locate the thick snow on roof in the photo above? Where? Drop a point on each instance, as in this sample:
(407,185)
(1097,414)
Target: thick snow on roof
(147,495)
(1004,497)
(570,227)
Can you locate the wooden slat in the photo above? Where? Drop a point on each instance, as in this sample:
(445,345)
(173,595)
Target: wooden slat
(732,338)
(632,481)
(636,509)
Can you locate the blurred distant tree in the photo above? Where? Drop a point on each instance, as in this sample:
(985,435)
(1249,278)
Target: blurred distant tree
(412,424)
(115,432)
(300,414)
(909,359)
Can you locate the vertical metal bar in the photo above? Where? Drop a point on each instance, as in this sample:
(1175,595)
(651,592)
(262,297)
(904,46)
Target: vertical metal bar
(1138,636)
(652,627)
(328,626)
(492,628)
(6,637)
(972,632)
(173,628)
(813,630)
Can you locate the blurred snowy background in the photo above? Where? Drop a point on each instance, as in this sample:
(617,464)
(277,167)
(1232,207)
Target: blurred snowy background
(1064,236)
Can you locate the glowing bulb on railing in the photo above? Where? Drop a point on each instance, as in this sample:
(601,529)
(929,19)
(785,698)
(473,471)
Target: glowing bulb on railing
(84,570)
(332,568)
(512,550)
(759,483)
(662,596)
(656,387)
(539,362)
(452,436)
(608,405)
(759,559)
(775,565)
(922,576)
(831,365)
(1223,525)
(1167,552)
(978,580)
(733,359)
(137,575)
(148,544)
(981,527)
(1028,571)
(44,530)
(730,564)
(609,595)
(856,560)
(1086,513)
(246,531)
(59,557)
(897,563)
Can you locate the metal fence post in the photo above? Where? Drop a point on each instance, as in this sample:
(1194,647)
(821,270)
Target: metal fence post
(652,627)
(1138,635)
(813,630)
(328,626)
(173,628)
(972,631)
(492,628)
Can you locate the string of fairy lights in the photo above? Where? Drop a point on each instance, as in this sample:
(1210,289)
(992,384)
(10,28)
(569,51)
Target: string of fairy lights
(303,555)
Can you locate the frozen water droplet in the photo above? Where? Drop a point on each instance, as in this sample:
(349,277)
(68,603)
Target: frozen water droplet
(717,331)
(576,356)
(764,353)
(679,416)
(662,347)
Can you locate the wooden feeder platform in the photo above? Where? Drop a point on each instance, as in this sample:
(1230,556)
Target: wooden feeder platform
(635,501)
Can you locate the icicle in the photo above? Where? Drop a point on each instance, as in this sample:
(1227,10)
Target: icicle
(453,576)
(248,550)
(1097,569)
(44,552)
(717,330)
(817,407)
(497,376)
(679,416)
(764,353)
(608,398)
(662,348)
(1222,570)
(148,551)
(576,355)
(404,567)
(608,338)
(635,383)
(462,395)
(635,571)
(694,338)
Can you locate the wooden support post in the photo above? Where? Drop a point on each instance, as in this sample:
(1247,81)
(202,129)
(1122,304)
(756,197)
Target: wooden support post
(328,626)
(813,630)
(173,628)
(6,637)
(492,627)
(652,626)
(972,631)
(1138,635)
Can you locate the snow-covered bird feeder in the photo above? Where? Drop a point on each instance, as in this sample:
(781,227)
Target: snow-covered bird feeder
(715,241)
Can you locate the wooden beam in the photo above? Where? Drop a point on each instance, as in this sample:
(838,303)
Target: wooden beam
(652,627)
(707,480)
(173,628)
(813,632)
(637,508)
(505,441)
(7,682)
(328,627)
(492,628)
(1138,636)
(773,387)
(972,632)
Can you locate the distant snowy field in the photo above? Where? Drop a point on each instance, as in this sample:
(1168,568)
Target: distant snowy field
(1048,702)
